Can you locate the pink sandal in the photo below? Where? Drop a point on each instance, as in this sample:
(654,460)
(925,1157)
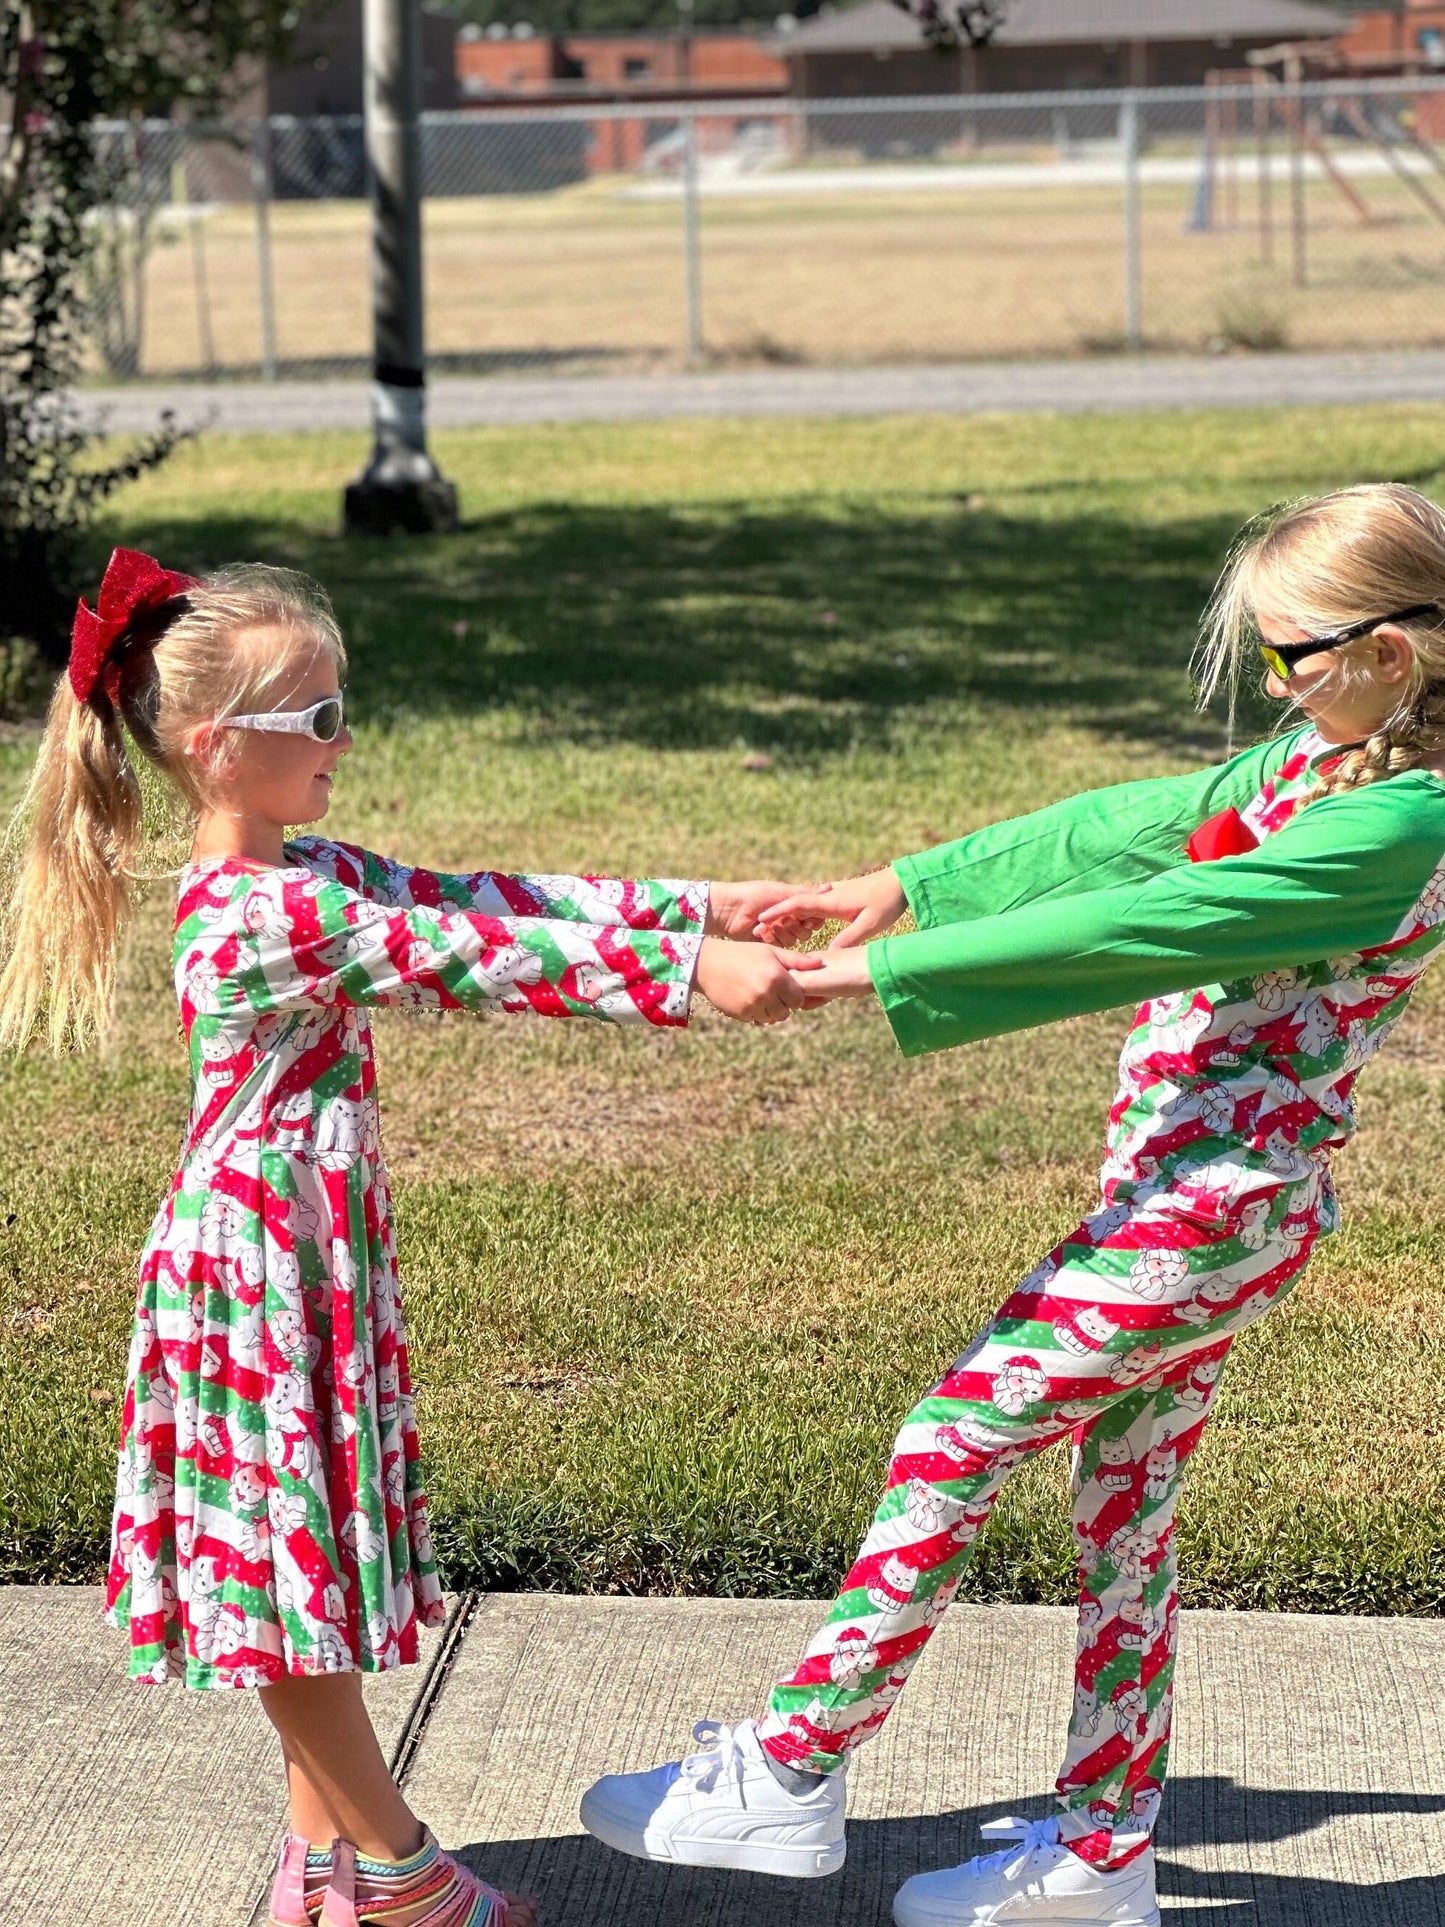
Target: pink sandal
(288,1889)
(463,1900)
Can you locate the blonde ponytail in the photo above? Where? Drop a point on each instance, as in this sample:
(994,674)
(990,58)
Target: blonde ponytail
(1329,563)
(77,841)
(72,895)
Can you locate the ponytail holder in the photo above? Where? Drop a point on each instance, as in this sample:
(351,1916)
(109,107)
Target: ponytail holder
(133,585)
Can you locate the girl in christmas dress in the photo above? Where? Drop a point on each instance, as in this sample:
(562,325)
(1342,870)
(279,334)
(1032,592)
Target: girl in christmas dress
(270,1527)
(1274,913)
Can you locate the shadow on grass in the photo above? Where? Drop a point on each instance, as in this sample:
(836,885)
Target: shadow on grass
(585,1884)
(804,629)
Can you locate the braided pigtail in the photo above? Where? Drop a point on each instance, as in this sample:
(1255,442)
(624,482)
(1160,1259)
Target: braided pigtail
(1413,738)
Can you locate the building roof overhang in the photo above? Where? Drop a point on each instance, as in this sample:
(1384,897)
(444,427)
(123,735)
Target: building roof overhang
(877,25)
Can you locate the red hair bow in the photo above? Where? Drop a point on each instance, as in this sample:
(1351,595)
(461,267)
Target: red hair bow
(133,585)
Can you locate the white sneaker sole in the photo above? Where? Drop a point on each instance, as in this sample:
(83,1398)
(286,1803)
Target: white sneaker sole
(909,1917)
(792,1863)
(927,1912)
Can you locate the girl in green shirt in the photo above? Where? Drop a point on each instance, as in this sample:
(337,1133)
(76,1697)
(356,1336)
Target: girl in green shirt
(1273,914)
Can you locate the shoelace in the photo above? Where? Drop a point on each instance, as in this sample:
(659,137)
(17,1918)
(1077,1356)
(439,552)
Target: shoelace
(1030,1837)
(720,1753)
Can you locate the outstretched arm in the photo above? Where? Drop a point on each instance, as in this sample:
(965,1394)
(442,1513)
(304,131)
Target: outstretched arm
(1345,876)
(307,940)
(719,909)
(1115,836)
(651,904)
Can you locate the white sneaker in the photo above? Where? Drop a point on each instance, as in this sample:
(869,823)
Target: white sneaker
(1038,1879)
(721,1807)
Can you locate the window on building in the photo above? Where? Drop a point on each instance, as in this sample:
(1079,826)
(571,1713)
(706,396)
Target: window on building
(1431,42)
(636,67)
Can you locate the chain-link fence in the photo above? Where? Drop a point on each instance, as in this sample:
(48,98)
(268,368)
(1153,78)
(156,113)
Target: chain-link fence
(588,238)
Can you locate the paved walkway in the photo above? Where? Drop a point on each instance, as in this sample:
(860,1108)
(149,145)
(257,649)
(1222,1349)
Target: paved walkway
(1308,1791)
(1111,385)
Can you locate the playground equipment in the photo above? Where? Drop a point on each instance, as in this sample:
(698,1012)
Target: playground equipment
(1253,105)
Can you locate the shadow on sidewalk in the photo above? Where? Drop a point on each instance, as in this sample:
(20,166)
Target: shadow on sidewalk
(580,1883)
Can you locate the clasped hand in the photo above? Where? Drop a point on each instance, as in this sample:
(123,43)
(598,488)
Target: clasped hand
(748,968)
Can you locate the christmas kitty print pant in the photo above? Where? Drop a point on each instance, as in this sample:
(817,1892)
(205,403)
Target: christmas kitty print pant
(1117,1342)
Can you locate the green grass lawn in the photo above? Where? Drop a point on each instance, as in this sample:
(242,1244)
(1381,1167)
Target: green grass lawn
(670,1294)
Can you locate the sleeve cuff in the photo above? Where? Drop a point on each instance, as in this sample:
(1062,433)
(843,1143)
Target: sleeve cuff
(694,900)
(908,1021)
(680,993)
(909,872)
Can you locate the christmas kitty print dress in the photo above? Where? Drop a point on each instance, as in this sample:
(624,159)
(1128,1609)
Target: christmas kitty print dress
(269,1515)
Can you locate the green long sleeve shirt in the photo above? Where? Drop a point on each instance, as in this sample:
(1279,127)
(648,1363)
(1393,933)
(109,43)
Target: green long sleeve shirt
(1093,902)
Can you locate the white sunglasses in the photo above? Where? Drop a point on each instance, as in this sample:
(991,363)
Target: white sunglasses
(321,722)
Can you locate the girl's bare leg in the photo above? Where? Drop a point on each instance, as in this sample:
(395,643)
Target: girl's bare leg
(338,1778)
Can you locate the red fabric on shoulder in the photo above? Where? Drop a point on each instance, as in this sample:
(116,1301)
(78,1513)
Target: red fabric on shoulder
(1224,835)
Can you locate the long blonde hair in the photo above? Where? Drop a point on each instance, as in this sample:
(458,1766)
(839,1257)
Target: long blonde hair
(1330,562)
(77,839)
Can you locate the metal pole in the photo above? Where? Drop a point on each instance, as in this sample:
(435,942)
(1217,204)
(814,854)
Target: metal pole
(1133,253)
(261,187)
(1261,131)
(181,197)
(138,249)
(690,237)
(400,488)
(1297,170)
(1229,142)
(1211,154)
(690,240)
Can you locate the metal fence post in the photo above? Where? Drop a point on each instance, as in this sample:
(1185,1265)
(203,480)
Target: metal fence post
(1262,111)
(261,188)
(181,198)
(1133,257)
(691,239)
(1299,130)
(138,249)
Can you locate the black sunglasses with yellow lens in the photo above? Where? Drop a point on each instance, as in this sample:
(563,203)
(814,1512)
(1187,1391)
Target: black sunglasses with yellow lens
(1281,657)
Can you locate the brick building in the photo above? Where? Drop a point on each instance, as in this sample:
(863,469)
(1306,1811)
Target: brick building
(719,68)
(1383,43)
(613,66)
(1396,39)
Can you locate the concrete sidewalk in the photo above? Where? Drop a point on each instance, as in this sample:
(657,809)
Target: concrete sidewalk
(1111,385)
(1308,1786)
